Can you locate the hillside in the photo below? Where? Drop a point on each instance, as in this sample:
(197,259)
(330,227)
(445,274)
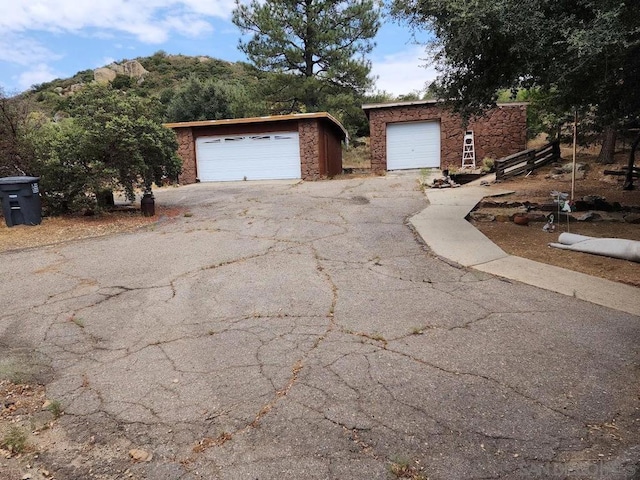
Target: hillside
(158,75)
(245,90)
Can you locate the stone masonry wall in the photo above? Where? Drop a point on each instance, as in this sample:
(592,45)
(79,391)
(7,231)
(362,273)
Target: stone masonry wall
(187,152)
(501,132)
(309,134)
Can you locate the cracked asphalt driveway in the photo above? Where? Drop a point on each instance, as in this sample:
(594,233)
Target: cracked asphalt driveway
(289,331)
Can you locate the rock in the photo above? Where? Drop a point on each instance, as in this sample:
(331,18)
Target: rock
(537,217)
(502,218)
(580,174)
(131,68)
(482,217)
(521,219)
(632,218)
(593,198)
(587,217)
(568,167)
(139,455)
(76,87)
(104,75)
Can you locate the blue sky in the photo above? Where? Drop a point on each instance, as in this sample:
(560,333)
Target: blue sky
(47,39)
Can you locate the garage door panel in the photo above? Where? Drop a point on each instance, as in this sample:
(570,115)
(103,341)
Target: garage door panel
(413,145)
(252,157)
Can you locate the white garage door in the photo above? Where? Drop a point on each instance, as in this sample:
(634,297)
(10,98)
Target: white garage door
(265,156)
(413,145)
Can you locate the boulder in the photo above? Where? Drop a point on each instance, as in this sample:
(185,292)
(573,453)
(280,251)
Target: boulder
(131,68)
(104,75)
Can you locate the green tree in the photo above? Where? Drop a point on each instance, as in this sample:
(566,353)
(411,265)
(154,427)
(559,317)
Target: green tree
(18,118)
(68,169)
(315,49)
(578,54)
(111,139)
(210,100)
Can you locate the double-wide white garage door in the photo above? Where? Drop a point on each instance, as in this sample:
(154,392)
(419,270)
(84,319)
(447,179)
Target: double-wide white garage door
(413,145)
(264,156)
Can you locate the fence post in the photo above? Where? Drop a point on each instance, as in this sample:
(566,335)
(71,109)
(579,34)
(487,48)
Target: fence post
(531,161)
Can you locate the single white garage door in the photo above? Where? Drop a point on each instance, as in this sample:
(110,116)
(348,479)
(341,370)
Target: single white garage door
(413,145)
(264,156)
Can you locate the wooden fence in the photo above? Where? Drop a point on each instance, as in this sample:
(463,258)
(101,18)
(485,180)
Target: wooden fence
(527,160)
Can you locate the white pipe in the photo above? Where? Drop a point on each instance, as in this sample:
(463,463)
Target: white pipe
(609,247)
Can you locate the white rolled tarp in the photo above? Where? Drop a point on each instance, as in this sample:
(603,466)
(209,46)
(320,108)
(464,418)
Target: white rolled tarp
(609,247)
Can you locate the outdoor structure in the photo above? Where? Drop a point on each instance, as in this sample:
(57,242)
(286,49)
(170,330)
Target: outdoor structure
(426,134)
(306,146)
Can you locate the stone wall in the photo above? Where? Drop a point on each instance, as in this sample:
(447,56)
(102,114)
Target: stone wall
(309,149)
(187,152)
(500,132)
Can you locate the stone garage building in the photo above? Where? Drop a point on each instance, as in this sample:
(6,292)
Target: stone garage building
(306,146)
(426,134)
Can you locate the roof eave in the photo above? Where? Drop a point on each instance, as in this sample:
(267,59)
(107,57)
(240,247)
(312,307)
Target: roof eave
(266,119)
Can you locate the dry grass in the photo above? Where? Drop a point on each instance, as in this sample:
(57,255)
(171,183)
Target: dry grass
(54,230)
(531,242)
(357,155)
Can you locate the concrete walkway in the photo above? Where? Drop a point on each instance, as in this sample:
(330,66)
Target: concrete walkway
(443,227)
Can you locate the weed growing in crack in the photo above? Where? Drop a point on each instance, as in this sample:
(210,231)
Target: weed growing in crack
(77,320)
(55,407)
(377,336)
(15,439)
(404,468)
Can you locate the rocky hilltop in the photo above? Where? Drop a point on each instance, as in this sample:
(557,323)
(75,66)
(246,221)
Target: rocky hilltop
(130,68)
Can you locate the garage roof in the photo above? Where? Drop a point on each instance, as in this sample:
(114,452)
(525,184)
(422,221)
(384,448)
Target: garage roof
(375,106)
(267,119)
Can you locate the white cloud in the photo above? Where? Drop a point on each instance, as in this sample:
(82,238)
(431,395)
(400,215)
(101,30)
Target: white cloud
(404,72)
(39,73)
(151,21)
(23,51)
(104,62)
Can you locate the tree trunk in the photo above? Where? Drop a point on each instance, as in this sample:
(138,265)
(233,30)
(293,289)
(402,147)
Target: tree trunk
(608,146)
(628,180)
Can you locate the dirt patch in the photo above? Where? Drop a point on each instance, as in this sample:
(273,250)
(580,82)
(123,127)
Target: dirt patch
(25,418)
(54,230)
(532,242)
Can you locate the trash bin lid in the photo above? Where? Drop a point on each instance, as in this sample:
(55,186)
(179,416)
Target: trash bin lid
(13,180)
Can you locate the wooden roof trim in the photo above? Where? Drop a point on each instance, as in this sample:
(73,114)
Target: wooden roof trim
(374,106)
(267,119)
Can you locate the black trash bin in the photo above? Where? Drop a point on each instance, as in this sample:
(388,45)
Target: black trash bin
(20,198)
